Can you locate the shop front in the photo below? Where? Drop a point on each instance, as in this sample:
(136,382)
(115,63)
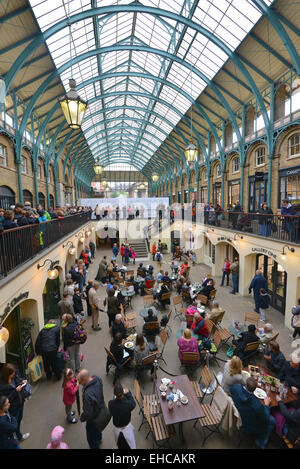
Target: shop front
(257,191)
(277,280)
(289,185)
(234,191)
(217,193)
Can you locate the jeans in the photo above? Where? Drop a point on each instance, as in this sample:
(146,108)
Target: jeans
(18,416)
(262,440)
(74,357)
(264,229)
(256,300)
(235,283)
(93,436)
(223,278)
(50,364)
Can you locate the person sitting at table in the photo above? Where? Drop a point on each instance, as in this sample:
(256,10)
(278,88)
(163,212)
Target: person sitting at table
(183,267)
(246,338)
(190,311)
(135,284)
(141,349)
(187,343)
(113,306)
(265,333)
(290,373)
(174,267)
(179,285)
(166,278)
(206,279)
(150,318)
(119,352)
(119,326)
(232,374)
(141,270)
(215,312)
(158,295)
(199,326)
(209,287)
(159,276)
(274,357)
(256,418)
(193,292)
(287,420)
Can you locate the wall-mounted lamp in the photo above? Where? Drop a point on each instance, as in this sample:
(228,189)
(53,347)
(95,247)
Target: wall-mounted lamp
(72,249)
(87,233)
(283,254)
(4,335)
(52,271)
(81,237)
(235,237)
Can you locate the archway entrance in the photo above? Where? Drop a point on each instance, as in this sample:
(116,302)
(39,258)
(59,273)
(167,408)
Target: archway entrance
(7,197)
(277,280)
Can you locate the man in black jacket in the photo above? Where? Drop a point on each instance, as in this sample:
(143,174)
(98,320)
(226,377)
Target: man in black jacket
(290,373)
(246,338)
(92,401)
(47,344)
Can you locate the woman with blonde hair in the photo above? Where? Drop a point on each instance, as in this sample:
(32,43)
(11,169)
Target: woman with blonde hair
(232,374)
(187,343)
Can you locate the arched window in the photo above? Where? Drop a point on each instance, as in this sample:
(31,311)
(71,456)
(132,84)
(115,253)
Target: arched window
(52,201)
(294,145)
(27,196)
(260,156)
(7,197)
(235,164)
(218,170)
(42,199)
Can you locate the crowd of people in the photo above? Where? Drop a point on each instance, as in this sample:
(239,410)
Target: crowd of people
(24,214)
(60,340)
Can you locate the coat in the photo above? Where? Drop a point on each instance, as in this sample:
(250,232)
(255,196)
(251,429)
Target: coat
(255,416)
(257,283)
(263,301)
(70,389)
(92,399)
(8,426)
(200,328)
(187,346)
(9,390)
(48,339)
(102,271)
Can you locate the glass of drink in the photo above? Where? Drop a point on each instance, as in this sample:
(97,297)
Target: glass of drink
(267,388)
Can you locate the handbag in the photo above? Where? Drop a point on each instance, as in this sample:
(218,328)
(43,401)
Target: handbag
(26,391)
(102,419)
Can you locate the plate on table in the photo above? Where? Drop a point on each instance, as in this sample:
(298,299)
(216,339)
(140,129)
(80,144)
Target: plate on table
(184,400)
(129,344)
(260,393)
(246,373)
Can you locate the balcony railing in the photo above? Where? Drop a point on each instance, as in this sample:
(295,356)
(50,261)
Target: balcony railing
(277,227)
(19,245)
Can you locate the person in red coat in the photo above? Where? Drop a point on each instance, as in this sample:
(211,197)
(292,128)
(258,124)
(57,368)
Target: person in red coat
(199,326)
(70,387)
(226,271)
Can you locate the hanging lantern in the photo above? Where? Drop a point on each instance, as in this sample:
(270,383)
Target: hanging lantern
(104,182)
(52,273)
(98,168)
(73,107)
(155,177)
(4,335)
(142,187)
(82,239)
(72,251)
(191,153)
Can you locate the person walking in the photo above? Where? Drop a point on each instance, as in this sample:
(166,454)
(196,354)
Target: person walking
(120,408)
(234,269)
(92,402)
(70,386)
(11,385)
(226,272)
(95,305)
(70,346)
(47,344)
(263,303)
(97,212)
(153,250)
(115,251)
(256,284)
(86,291)
(126,254)
(8,426)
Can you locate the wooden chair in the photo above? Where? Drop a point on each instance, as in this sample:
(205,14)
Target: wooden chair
(186,297)
(213,417)
(211,326)
(205,381)
(178,312)
(166,327)
(151,326)
(288,444)
(139,399)
(160,432)
(252,318)
(212,295)
(190,361)
(163,339)
(140,273)
(131,322)
(267,341)
(129,273)
(149,401)
(164,297)
(203,299)
(148,300)
(111,361)
(218,319)
(251,349)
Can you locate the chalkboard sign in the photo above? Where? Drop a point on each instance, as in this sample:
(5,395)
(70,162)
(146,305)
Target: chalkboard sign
(213,254)
(28,349)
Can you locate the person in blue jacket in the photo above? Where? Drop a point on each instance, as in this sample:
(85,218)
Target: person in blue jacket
(263,303)
(256,417)
(256,284)
(8,222)
(8,426)
(288,224)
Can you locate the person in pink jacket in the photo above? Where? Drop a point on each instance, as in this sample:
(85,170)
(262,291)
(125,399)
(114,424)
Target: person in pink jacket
(56,439)
(133,255)
(70,387)
(187,343)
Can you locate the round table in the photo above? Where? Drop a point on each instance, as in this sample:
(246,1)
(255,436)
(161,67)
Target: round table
(128,294)
(139,279)
(144,312)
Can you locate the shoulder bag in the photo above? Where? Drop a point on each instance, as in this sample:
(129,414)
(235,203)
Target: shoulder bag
(102,419)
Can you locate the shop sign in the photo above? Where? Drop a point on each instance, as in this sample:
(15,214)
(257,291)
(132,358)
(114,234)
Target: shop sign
(28,349)
(222,238)
(265,252)
(10,306)
(213,254)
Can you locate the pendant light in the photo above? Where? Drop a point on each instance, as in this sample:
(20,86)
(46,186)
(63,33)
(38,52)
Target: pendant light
(155,177)
(191,151)
(98,168)
(72,105)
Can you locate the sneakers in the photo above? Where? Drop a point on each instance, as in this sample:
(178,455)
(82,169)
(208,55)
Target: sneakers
(97,328)
(25,436)
(73,420)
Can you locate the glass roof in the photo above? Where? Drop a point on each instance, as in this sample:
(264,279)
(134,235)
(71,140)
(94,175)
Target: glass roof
(137,101)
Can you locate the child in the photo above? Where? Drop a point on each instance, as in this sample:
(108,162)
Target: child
(70,387)
(56,437)
(263,303)
(133,255)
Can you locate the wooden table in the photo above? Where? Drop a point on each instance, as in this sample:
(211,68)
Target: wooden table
(184,412)
(291,397)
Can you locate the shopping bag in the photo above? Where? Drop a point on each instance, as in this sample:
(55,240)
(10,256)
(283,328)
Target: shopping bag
(36,368)
(229,352)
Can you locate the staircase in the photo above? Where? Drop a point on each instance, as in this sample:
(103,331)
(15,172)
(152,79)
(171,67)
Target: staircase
(140,247)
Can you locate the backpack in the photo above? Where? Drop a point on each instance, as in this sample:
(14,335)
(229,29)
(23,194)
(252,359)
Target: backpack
(158,257)
(80,335)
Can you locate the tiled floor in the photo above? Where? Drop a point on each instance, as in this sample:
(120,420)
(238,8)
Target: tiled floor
(45,409)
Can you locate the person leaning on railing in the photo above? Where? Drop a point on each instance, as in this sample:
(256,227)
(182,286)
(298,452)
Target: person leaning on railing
(8,222)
